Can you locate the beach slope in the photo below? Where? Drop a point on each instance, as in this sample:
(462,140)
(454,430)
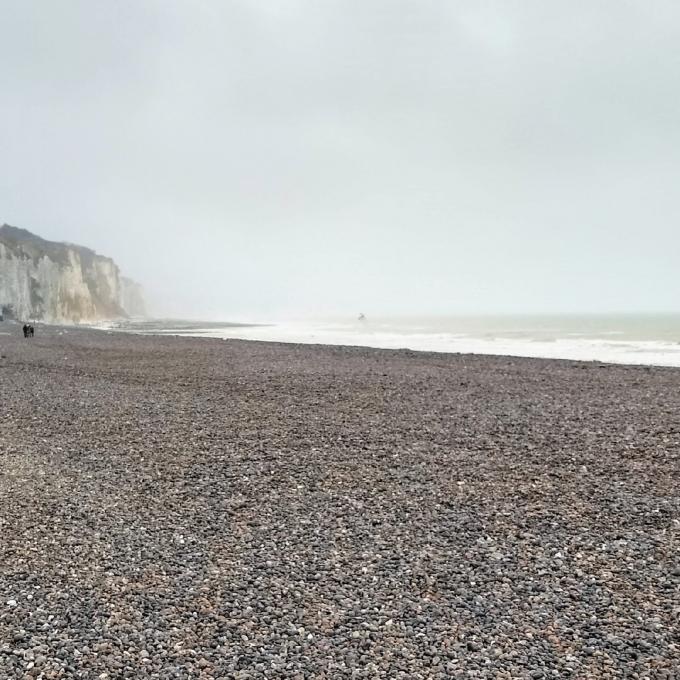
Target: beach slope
(195,508)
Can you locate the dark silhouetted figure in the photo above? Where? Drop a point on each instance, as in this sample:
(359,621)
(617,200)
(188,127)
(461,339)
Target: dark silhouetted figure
(25,329)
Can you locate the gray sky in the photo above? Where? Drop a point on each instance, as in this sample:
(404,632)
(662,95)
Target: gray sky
(259,158)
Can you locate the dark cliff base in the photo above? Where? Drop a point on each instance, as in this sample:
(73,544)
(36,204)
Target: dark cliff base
(185,508)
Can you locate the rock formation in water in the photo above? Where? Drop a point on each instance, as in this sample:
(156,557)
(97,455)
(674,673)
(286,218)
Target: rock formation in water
(60,282)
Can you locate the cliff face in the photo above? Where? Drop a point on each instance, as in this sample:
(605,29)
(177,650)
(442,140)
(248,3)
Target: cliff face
(61,283)
(132,297)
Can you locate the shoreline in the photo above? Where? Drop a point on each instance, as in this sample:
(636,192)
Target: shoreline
(610,347)
(609,350)
(424,352)
(65,329)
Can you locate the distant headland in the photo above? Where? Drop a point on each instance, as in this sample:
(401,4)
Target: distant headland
(61,282)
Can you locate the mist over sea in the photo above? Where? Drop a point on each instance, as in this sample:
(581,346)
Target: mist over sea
(652,339)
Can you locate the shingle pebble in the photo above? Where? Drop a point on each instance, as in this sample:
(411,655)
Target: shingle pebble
(195,508)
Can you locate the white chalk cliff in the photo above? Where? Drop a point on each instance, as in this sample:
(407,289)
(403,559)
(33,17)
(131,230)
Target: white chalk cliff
(61,283)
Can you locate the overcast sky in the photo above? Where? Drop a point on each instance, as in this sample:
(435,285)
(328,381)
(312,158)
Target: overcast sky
(264,158)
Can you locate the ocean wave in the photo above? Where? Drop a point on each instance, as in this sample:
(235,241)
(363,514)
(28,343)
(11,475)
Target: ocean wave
(568,346)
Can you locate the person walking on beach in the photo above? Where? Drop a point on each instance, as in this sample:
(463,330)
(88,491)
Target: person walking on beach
(25,329)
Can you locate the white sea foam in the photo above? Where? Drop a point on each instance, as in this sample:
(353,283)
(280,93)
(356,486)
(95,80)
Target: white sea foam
(605,346)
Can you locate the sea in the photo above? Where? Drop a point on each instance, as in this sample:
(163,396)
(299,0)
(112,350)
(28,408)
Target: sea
(651,339)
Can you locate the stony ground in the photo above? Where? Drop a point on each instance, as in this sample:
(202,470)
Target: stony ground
(187,508)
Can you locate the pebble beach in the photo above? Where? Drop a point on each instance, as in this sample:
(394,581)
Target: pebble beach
(176,507)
